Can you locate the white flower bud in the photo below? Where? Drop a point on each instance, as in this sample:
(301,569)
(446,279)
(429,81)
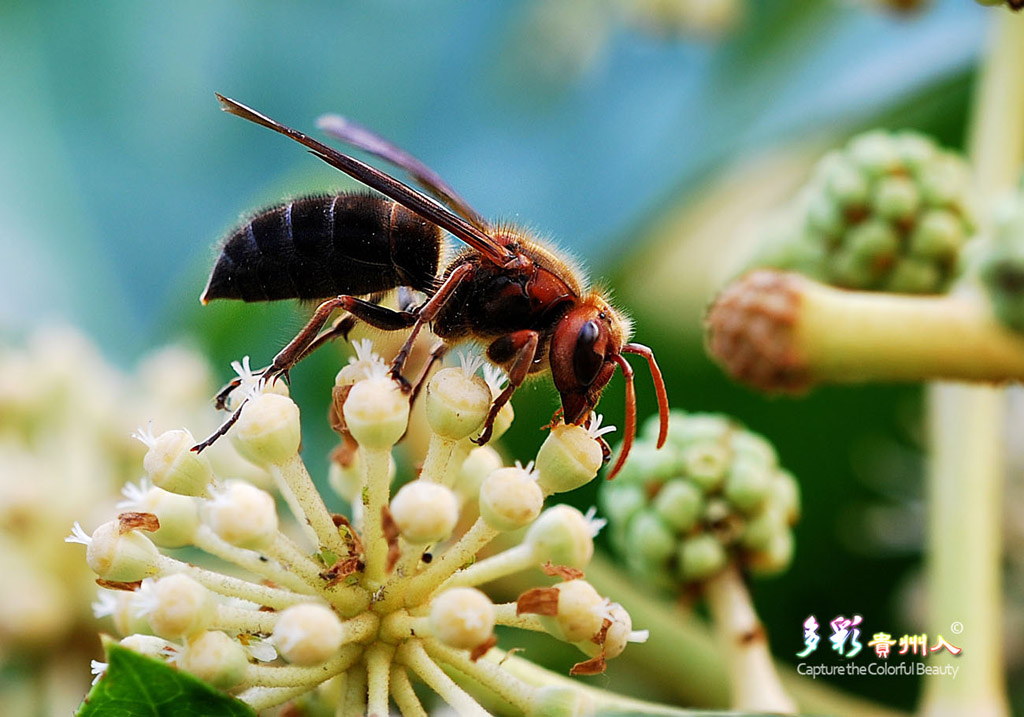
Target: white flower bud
(171,464)
(480,463)
(216,658)
(178,514)
(568,458)
(308,634)
(177,606)
(563,536)
(242,515)
(456,403)
(149,645)
(510,498)
(121,557)
(425,512)
(462,617)
(581,612)
(376,412)
(268,432)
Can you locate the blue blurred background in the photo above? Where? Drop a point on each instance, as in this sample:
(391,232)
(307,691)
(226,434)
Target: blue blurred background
(118,174)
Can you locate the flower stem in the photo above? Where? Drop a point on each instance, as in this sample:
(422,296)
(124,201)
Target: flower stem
(288,676)
(378,673)
(435,463)
(405,697)
(603,702)
(233,587)
(376,489)
(516,558)
(305,501)
(283,574)
(239,620)
(505,685)
(416,658)
(755,684)
(450,561)
(505,614)
(966,469)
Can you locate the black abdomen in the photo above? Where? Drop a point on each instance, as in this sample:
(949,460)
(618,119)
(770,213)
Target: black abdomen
(317,247)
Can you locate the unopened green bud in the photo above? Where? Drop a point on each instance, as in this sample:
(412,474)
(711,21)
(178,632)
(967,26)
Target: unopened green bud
(462,618)
(650,539)
(747,484)
(268,432)
(679,503)
(376,413)
(171,464)
(456,403)
(216,658)
(776,557)
(118,556)
(425,512)
(568,459)
(896,197)
(700,557)
(510,499)
(705,463)
(563,536)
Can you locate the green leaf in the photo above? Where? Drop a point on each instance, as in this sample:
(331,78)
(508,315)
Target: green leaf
(137,685)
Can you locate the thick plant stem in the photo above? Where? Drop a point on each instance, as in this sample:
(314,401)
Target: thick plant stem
(967,471)
(450,561)
(755,684)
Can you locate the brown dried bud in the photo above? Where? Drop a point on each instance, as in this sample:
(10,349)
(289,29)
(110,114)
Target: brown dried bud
(750,331)
(127,522)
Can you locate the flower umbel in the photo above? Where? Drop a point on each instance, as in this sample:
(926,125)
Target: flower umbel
(367,603)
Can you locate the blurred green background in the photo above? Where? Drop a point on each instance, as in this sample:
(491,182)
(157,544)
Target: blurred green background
(637,148)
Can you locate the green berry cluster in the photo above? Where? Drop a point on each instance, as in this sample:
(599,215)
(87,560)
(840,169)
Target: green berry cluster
(887,212)
(714,493)
(1000,263)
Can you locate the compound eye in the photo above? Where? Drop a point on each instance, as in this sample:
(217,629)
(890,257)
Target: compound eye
(588,356)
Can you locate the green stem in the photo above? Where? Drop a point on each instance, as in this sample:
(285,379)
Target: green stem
(967,471)
(376,492)
(302,495)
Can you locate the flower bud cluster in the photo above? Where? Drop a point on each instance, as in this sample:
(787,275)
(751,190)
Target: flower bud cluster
(714,494)
(66,417)
(391,587)
(887,212)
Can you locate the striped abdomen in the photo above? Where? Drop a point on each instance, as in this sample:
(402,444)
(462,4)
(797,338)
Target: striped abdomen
(317,247)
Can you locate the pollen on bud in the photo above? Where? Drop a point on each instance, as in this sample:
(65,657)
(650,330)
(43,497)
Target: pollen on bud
(308,634)
(510,498)
(178,607)
(580,612)
(121,557)
(462,618)
(243,515)
(171,464)
(376,412)
(568,458)
(268,433)
(425,512)
(563,536)
(457,403)
(216,658)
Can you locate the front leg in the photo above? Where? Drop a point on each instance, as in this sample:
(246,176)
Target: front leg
(517,351)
